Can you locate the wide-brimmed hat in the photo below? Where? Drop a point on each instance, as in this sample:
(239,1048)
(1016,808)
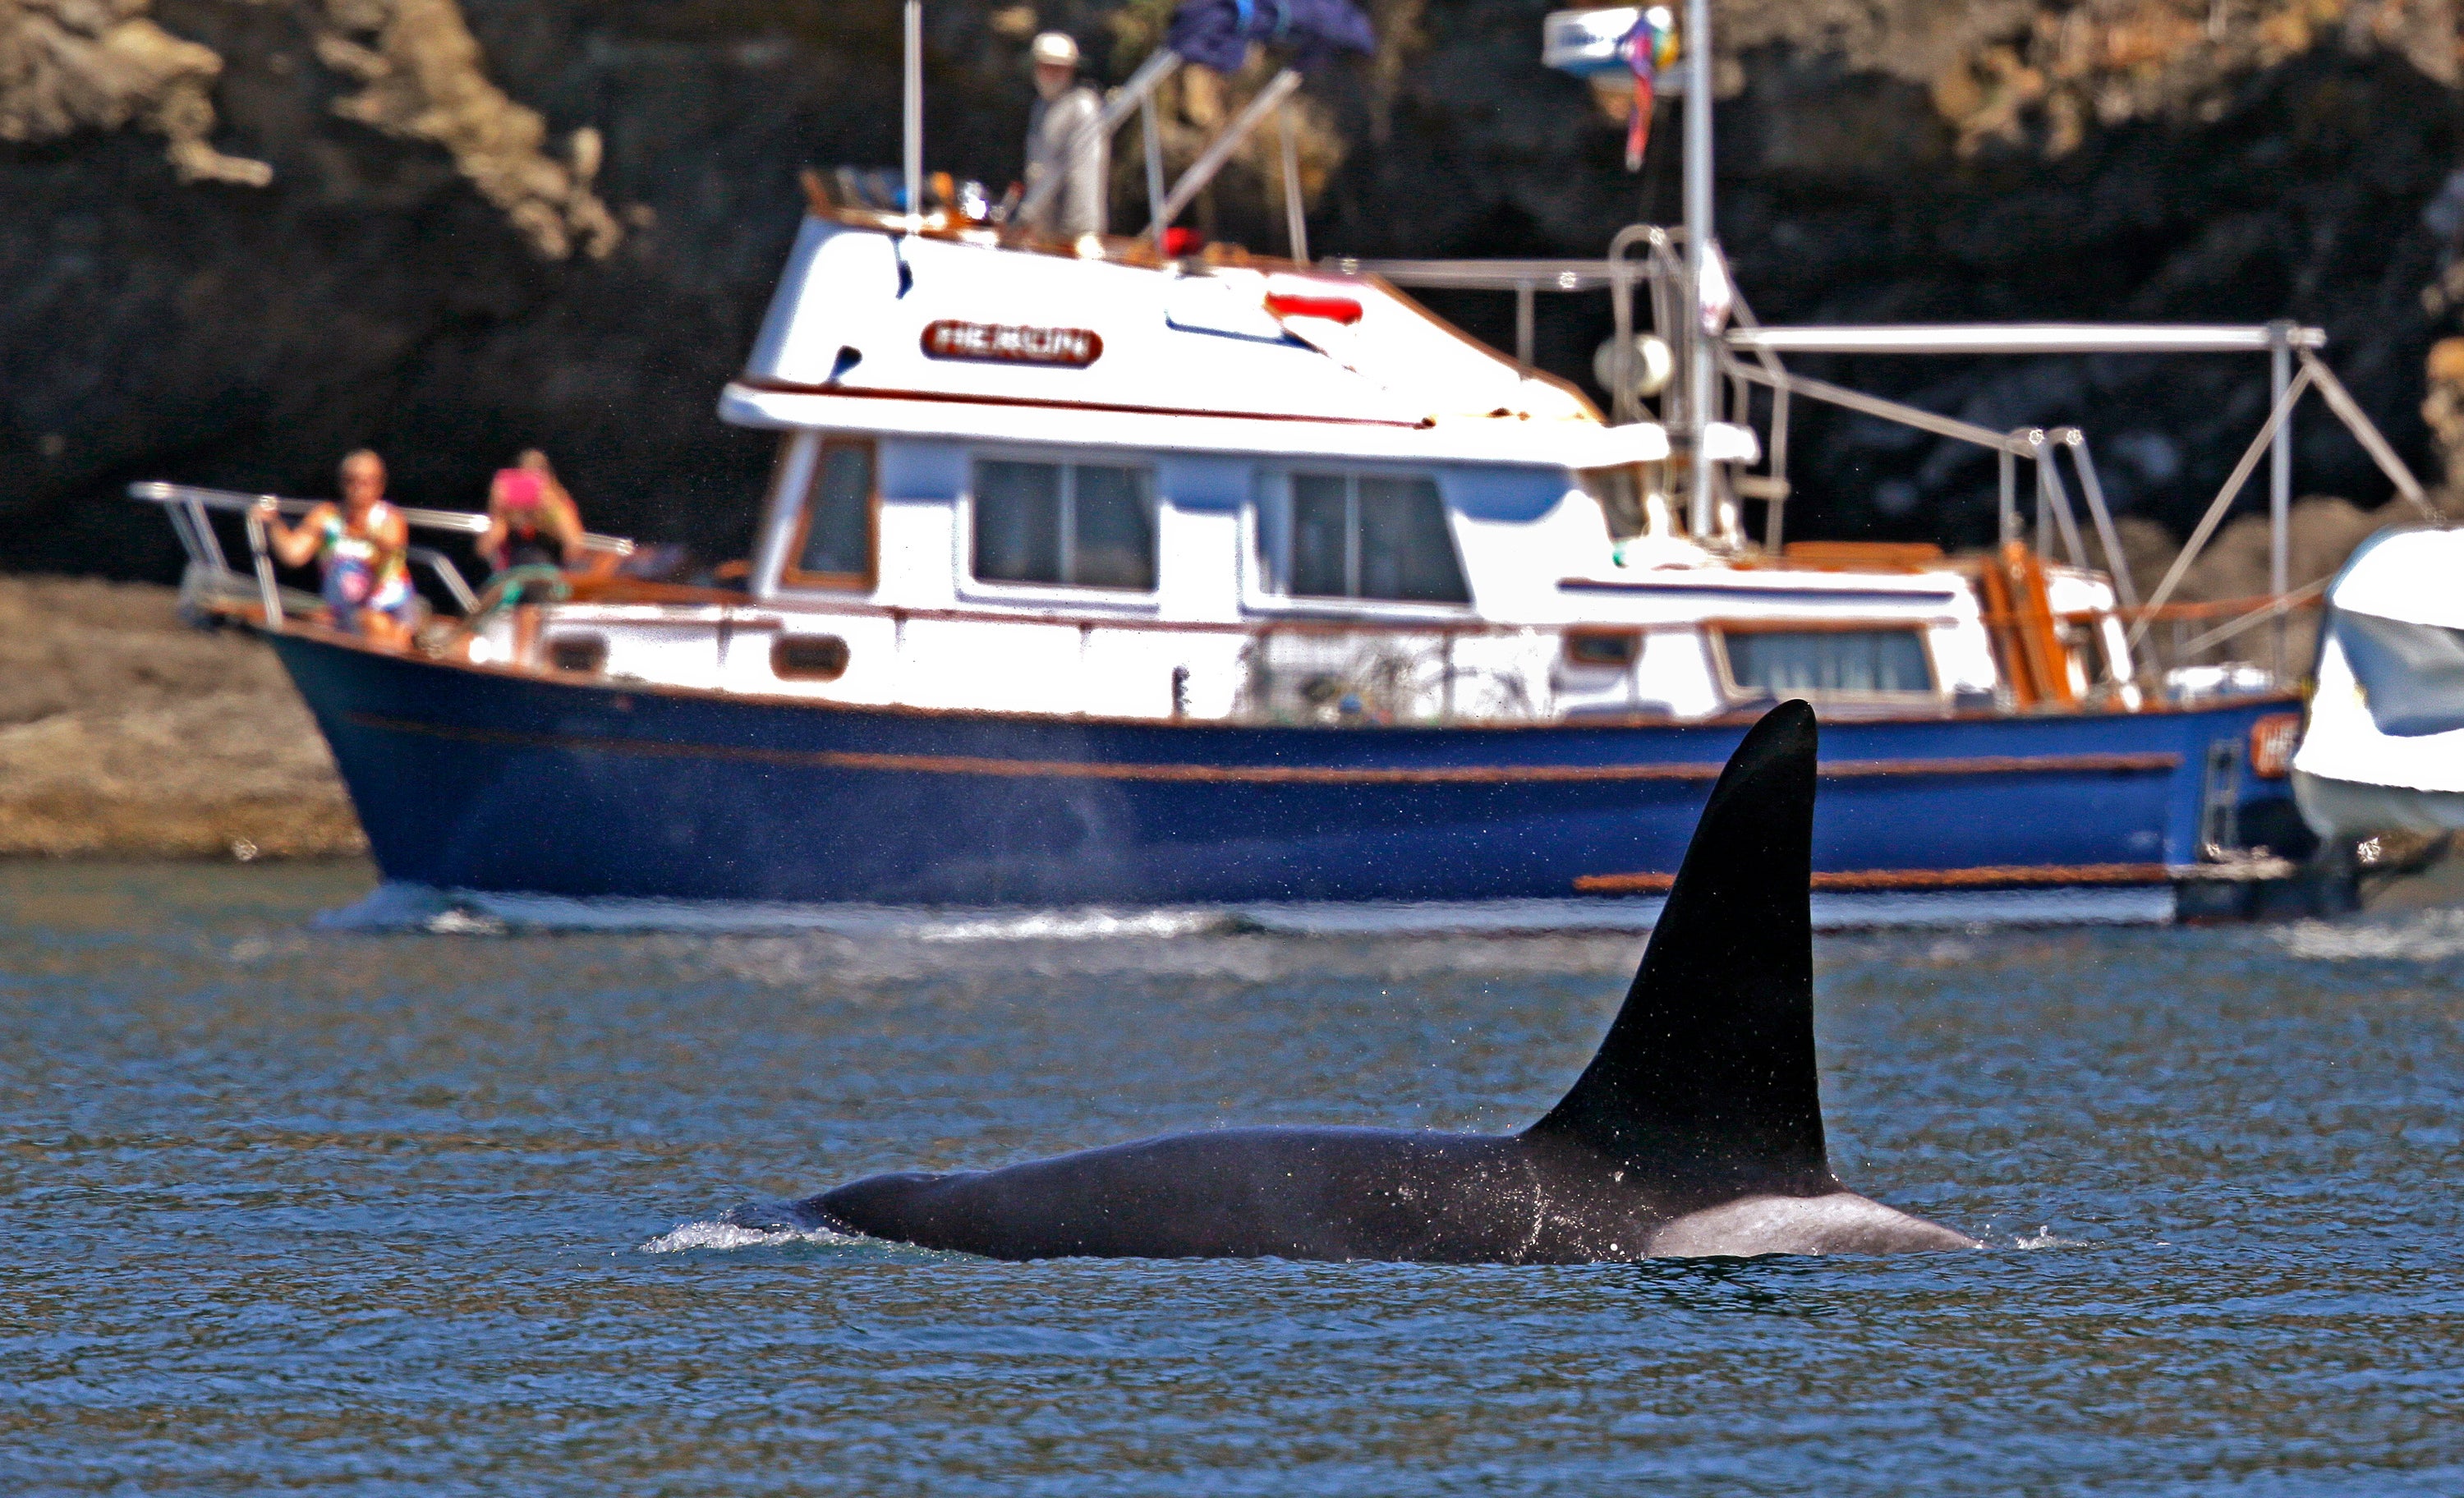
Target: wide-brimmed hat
(1057,48)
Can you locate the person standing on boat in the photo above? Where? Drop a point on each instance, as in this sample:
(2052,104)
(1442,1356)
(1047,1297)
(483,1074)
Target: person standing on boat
(1061,141)
(364,545)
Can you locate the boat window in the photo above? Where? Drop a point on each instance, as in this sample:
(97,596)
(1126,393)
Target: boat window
(1876,661)
(1616,648)
(1079,524)
(834,546)
(1371,535)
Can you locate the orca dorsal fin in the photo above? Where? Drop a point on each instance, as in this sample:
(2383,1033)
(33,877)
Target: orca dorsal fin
(1706,1081)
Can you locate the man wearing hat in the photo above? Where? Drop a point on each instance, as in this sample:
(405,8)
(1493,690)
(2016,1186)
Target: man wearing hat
(1064,115)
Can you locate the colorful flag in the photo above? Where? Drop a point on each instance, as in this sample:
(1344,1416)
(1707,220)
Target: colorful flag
(1651,46)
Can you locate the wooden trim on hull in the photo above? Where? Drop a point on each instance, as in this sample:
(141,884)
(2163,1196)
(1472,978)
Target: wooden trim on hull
(1254,775)
(2036,877)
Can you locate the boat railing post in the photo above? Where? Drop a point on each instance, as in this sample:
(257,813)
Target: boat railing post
(1135,93)
(1447,676)
(2125,587)
(2056,497)
(1773,529)
(1624,404)
(1153,134)
(448,575)
(1219,150)
(203,524)
(914,114)
(2009,512)
(268,596)
(183,518)
(2279,481)
(2225,496)
(1525,314)
(1699,238)
(2373,442)
(1295,210)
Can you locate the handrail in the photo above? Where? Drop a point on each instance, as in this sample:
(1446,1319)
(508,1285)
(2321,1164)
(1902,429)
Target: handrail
(447,573)
(460,522)
(1219,150)
(2179,613)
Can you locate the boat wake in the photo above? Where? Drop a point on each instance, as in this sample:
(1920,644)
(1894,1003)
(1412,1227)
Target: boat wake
(2428,936)
(396,907)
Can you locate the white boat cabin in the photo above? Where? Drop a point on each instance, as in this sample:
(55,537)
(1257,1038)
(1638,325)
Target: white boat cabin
(1020,481)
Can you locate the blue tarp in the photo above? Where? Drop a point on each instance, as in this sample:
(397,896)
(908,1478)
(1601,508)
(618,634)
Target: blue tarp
(1217,33)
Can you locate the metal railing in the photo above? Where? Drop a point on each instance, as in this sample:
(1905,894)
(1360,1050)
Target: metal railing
(191,510)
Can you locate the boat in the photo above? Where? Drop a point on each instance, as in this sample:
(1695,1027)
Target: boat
(1089,574)
(2383,751)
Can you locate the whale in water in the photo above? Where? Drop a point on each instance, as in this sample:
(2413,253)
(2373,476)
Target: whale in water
(1697,1129)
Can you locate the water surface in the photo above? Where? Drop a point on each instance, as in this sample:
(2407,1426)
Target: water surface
(298,1211)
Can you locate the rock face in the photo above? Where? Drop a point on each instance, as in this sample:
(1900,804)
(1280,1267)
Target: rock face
(125,732)
(449,230)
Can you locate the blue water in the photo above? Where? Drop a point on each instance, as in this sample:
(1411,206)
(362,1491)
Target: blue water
(304,1211)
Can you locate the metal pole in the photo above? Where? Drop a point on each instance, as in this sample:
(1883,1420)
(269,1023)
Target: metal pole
(1219,150)
(2349,411)
(1154,152)
(268,596)
(2049,480)
(2279,480)
(914,157)
(2124,587)
(2044,508)
(2010,529)
(2224,497)
(1771,523)
(1524,314)
(1092,135)
(1295,211)
(1697,41)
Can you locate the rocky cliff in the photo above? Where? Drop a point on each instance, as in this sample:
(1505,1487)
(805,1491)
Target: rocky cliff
(238,237)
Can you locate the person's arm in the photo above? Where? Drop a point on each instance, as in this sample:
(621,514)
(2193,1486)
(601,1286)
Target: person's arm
(568,522)
(395,533)
(291,546)
(491,544)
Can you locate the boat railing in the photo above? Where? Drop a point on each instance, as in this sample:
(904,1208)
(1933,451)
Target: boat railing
(210,575)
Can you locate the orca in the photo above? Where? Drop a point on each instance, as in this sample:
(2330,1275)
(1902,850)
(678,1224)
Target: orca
(1696,1130)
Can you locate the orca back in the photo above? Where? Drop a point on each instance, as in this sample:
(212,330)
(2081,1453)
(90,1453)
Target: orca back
(1706,1082)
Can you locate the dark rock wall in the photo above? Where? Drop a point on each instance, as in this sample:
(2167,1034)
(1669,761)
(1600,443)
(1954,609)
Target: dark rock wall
(246,336)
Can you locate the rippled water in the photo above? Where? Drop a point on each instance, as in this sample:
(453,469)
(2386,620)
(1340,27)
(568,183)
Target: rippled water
(296,1210)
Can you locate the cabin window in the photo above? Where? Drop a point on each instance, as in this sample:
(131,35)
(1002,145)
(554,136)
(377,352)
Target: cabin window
(1371,535)
(1617,649)
(1871,661)
(587,654)
(834,538)
(1076,524)
(809,658)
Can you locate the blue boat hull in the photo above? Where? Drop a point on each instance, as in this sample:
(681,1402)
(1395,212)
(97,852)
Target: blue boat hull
(489,780)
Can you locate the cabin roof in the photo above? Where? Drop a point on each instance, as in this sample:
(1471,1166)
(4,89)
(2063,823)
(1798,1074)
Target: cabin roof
(932,336)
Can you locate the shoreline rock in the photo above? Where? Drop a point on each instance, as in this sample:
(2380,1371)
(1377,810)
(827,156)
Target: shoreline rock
(125,732)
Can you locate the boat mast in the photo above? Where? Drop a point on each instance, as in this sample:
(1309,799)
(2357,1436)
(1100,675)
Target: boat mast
(1699,375)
